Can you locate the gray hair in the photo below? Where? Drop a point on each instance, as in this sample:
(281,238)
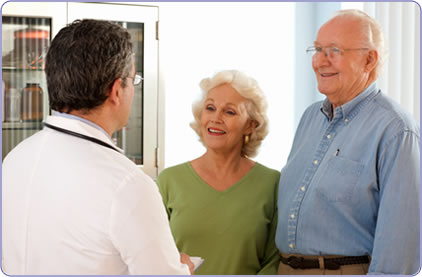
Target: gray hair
(256,106)
(372,31)
(83,61)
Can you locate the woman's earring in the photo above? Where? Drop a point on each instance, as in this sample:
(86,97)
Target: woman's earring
(246,139)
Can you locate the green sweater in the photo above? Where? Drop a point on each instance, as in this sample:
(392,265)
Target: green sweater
(233,230)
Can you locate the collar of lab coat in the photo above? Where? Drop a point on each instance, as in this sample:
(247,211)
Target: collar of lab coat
(81,128)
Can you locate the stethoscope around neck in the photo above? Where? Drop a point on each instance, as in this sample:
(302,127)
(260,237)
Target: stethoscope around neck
(78,135)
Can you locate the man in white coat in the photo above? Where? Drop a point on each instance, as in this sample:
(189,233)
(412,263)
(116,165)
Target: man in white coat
(72,203)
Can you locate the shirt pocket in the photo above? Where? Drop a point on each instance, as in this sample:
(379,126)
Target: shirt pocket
(338,180)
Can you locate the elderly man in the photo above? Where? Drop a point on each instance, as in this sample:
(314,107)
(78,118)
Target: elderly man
(349,193)
(73,204)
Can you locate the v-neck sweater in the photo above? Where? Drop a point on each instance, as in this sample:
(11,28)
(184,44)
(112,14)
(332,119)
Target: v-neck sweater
(234,229)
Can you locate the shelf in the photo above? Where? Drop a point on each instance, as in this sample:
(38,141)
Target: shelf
(29,125)
(10,68)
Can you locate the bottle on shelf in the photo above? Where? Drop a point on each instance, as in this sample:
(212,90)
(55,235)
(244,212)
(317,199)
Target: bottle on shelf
(32,102)
(12,105)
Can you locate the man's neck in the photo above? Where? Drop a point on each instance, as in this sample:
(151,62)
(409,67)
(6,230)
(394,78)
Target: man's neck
(96,117)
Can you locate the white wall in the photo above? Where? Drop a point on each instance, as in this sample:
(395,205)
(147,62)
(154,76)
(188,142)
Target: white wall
(199,39)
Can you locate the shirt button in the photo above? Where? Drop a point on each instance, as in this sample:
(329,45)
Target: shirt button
(315,162)
(302,188)
(291,245)
(292,216)
(329,136)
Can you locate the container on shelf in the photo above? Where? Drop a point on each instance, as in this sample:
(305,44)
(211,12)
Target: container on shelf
(32,102)
(12,105)
(29,49)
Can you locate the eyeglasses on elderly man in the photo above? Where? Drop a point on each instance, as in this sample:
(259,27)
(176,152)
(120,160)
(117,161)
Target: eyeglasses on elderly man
(331,51)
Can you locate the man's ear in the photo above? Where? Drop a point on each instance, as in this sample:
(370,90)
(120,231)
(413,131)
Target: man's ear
(371,61)
(114,95)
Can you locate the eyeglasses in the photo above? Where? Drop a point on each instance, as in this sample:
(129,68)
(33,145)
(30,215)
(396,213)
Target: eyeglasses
(331,52)
(137,79)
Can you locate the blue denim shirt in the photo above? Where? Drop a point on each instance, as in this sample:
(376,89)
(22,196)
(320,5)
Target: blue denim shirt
(351,184)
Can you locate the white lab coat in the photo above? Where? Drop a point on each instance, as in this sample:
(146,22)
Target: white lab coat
(71,206)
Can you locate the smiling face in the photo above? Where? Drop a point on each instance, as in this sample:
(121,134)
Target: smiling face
(344,77)
(224,120)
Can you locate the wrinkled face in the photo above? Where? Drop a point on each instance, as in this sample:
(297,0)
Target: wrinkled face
(224,120)
(343,77)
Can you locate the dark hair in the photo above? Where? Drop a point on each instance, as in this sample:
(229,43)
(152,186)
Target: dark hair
(83,61)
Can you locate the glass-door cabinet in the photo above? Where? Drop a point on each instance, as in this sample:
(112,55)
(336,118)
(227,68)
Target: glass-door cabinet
(23,84)
(25,39)
(27,30)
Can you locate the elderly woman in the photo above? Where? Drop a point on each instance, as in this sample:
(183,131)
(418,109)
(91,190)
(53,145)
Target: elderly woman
(222,205)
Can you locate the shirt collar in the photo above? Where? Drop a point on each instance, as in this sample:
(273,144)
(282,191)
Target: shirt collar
(350,109)
(83,120)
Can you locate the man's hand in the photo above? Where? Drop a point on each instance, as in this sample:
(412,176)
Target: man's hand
(185,259)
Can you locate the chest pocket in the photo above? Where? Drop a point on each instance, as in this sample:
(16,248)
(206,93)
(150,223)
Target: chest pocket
(338,180)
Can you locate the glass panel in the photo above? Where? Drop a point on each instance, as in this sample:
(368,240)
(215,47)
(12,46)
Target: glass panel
(130,138)
(25,41)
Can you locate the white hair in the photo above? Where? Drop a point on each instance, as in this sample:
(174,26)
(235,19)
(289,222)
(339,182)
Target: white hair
(372,31)
(256,105)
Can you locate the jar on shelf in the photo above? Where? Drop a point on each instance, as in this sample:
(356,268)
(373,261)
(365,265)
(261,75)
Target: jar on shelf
(12,105)
(32,102)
